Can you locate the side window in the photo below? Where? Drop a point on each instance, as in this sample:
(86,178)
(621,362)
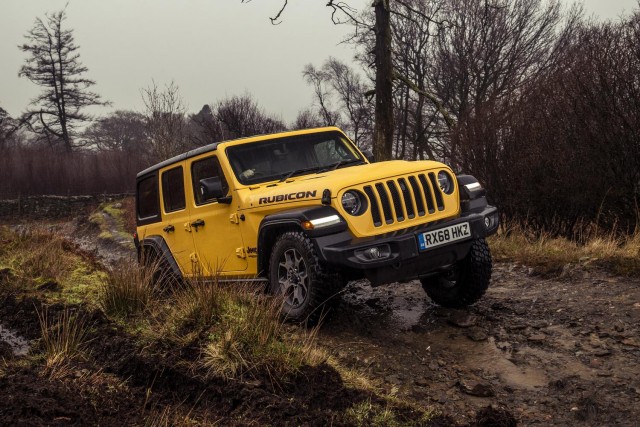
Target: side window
(173,190)
(205,169)
(148,206)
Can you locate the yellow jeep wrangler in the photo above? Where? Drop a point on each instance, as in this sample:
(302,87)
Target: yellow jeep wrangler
(306,211)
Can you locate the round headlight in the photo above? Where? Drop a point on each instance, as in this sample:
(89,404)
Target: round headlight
(445,182)
(353,203)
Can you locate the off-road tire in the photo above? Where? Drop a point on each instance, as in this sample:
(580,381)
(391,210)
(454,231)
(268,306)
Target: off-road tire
(466,283)
(321,285)
(163,278)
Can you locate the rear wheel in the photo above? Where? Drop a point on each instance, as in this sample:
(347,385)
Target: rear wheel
(160,272)
(296,274)
(466,282)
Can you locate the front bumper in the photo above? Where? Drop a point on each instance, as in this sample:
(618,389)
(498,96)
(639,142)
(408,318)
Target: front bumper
(403,259)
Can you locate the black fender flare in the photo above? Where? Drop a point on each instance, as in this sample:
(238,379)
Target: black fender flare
(158,244)
(293,219)
(472,194)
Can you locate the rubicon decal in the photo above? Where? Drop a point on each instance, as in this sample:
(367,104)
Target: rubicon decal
(285,197)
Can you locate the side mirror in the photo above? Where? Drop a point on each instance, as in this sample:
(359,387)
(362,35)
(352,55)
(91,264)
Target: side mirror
(211,188)
(369,155)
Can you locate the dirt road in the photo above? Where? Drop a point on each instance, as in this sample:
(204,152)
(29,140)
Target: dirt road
(556,351)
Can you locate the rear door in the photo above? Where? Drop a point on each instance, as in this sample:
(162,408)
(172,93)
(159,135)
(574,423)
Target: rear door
(175,216)
(214,225)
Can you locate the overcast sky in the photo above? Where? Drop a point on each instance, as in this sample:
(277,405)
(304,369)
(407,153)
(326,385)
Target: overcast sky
(209,48)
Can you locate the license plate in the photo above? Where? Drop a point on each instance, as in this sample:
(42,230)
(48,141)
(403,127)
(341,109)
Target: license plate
(442,236)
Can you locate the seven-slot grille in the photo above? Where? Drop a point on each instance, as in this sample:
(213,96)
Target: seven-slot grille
(396,200)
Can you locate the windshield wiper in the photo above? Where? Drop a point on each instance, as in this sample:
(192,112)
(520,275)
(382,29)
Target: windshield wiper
(336,165)
(288,175)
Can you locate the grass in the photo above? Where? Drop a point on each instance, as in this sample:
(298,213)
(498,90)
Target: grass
(238,329)
(249,337)
(114,220)
(62,339)
(126,290)
(616,253)
(368,413)
(31,260)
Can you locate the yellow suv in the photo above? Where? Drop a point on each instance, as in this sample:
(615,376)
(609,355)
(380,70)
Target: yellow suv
(306,211)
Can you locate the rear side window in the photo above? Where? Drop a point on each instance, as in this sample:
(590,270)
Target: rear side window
(173,190)
(148,205)
(203,169)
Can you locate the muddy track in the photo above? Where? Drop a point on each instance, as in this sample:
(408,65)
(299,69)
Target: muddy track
(553,351)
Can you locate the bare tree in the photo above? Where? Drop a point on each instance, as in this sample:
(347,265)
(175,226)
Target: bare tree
(166,121)
(319,79)
(240,116)
(341,98)
(306,119)
(53,63)
(120,131)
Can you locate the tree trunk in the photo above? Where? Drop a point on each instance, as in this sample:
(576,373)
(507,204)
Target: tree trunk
(383,131)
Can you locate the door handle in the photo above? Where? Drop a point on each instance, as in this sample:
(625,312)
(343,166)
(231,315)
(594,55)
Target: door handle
(169,228)
(197,223)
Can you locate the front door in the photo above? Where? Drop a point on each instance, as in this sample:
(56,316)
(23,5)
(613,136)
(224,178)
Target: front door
(214,225)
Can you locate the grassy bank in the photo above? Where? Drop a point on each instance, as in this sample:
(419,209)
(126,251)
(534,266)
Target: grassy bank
(619,254)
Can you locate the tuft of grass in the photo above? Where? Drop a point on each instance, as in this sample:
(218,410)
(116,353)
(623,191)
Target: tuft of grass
(618,254)
(248,337)
(62,339)
(368,413)
(127,289)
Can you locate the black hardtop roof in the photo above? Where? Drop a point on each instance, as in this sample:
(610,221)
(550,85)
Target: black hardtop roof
(179,158)
(213,147)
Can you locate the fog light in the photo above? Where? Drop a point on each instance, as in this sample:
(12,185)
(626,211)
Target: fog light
(487,222)
(374,253)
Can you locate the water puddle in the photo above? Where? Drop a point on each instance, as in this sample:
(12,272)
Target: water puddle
(19,345)
(489,358)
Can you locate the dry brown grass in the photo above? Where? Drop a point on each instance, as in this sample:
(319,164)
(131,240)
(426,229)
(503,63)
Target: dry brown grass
(62,340)
(619,254)
(127,289)
(246,333)
(36,255)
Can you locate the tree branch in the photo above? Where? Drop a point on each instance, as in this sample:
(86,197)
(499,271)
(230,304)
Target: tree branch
(431,97)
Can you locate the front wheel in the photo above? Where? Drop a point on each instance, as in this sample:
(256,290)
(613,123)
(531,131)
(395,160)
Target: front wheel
(296,274)
(466,282)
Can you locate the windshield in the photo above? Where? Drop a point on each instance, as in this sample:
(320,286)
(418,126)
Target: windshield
(278,159)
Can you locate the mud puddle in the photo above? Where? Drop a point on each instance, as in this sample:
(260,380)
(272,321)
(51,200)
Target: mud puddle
(19,345)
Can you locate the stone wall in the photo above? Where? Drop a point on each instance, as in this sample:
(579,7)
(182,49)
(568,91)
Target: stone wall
(52,207)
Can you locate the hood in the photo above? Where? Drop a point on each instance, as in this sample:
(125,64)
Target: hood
(311,186)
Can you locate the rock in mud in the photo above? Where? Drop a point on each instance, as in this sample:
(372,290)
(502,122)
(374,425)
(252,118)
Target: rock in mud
(463,319)
(477,334)
(602,352)
(537,338)
(476,388)
(421,382)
